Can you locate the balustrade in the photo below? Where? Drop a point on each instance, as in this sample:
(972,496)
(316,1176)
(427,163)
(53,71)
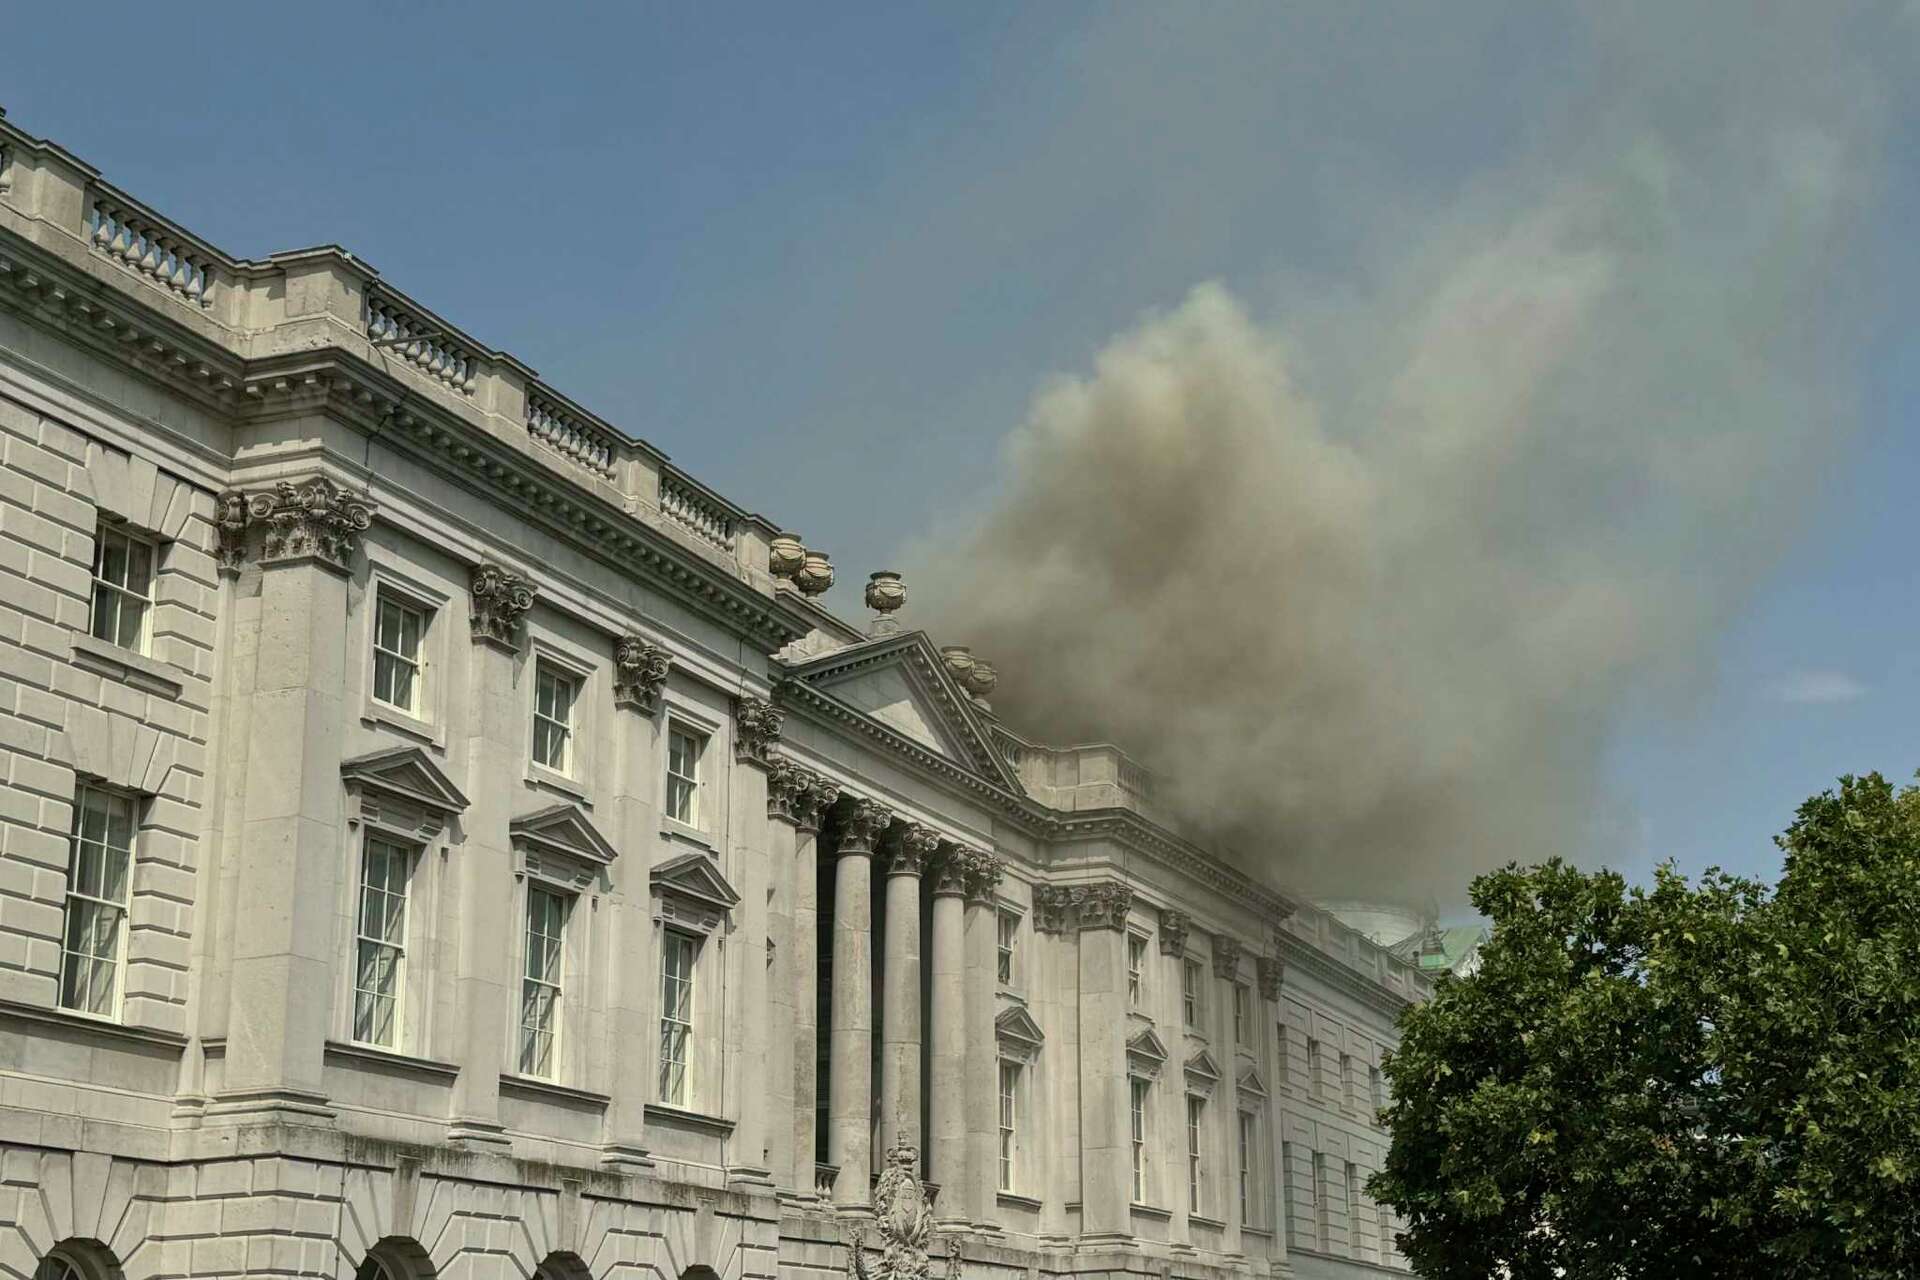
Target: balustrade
(143,244)
(425,345)
(823,1179)
(688,507)
(559,430)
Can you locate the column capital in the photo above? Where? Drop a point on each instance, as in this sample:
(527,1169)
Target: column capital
(983,872)
(811,801)
(497,599)
(786,789)
(864,822)
(1271,971)
(909,849)
(640,670)
(949,867)
(1101,905)
(756,727)
(1173,932)
(1226,957)
(312,520)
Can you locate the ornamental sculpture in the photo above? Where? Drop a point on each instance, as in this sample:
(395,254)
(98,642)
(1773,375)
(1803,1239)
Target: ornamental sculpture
(981,679)
(313,519)
(903,1215)
(864,823)
(885,594)
(497,600)
(815,573)
(811,801)
(756,727)
(1270,972)
(785,555)
(1226,957)
(1173,932)
(1102,905)
(786,783)
(959,661)
(640,670)
(983,871)
(911,849)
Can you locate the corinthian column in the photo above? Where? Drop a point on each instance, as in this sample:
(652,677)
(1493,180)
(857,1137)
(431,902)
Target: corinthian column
(908,851)
(947,1027)
(982,1092)
(813,797)
(785,784)
(850,1069)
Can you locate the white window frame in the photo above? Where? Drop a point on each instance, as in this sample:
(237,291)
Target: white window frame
(120,592)
(1010,1069)
(688,784)
(1247,1138)
(1196,1153)
(1193,1007)
(672,942)
(1242,1014)
(1136,970)
(1006,944)
(409,856)
(1139,1121)
(553,979)
(87,897)
(385,597)
(545,669)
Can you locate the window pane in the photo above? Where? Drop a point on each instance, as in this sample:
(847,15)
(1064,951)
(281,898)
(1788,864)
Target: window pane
(113,558)
(133,615)
(106,614)
(139,577)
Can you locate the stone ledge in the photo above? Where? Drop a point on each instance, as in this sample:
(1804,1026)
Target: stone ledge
(125,665)
(87,1026)
(547,1089)
(697,1122)
(389,1060)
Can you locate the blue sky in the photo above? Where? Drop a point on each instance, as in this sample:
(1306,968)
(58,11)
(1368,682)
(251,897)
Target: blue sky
(825,256)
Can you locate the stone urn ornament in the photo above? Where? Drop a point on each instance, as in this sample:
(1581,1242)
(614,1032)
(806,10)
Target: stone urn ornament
(815,574)
(885,594)
(980,679)
(959,660)
(785,555)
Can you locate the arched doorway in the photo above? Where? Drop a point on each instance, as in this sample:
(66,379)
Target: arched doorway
(561,1265)
(78,1260)
(396,1258)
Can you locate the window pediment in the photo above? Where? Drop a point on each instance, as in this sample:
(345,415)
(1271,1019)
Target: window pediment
(1146,1054)
(1203,1073)
(1252,1088)
(401,790)
(1019,1035)
(560,844)
(689,890)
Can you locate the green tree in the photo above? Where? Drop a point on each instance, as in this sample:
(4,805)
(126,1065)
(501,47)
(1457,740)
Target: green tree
(1682,1080)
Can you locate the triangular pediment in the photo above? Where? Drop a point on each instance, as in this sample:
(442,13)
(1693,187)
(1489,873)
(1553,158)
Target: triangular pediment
(1202,1066)
(406,773)
(1148,1046)
(693,875)
(1017,1026)
(901,683)
(1251,1084)
(563,828)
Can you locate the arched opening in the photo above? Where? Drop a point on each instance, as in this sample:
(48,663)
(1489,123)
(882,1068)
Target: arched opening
(699,1271)
(396,1258)
(78,1260)
(561,1265)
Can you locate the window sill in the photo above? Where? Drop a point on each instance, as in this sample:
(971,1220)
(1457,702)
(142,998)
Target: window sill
(1202,1220)
(1151,1211)
(1144,1019)
(548,779)
(392,1060)
(136,669)
(680,1118)
(91,1024)
(380,714)
(674,829)
(1262,1232)
(1015,1200)
(510,1083)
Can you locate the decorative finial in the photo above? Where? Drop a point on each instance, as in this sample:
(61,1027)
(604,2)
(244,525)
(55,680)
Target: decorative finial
(885,593)
(785,555)
(815,574)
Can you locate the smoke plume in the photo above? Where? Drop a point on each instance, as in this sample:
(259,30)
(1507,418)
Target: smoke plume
(1368,578)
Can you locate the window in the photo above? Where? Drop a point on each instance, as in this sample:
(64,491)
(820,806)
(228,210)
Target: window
(1009,1085)
(1190,989)
(1136,970)
(122,588)
(677,955)
(540,982)
(1373,1090)
(1353,1208)
(1009,936)
(553,696)
(1196,1115)
(99,878)
(56,1267)
(684,749)
(1248,1201)
(380,944)
(397,631)
(1137,1118)
(1242,1015)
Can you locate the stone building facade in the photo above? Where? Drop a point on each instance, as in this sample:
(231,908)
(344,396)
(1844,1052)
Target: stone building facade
(440,837)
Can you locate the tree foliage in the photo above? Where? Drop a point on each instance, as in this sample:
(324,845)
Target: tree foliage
(1707,1079)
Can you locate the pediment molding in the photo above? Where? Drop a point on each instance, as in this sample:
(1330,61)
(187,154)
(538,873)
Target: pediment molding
(1019,1035)
(1203,1073)
(690,892)
(1252,1088)
(400,790)
(560,844)
(1146,1054)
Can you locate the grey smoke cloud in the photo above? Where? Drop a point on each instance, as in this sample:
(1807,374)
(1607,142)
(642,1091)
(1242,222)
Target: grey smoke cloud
(1367,577)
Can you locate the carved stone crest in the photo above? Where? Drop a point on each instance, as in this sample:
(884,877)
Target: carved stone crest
(640,670)
(313,519)
(1173,932)
(1226,957)
(903,1216)
(1270,971)
(498,599)
(756,727)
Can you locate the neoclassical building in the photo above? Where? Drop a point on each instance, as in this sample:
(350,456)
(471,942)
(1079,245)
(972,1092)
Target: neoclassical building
(441,838)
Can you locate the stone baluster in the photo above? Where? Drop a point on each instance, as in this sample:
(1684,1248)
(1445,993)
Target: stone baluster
(850,1067)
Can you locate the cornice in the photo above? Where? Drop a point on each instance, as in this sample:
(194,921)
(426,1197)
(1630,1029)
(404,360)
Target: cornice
(1300,953)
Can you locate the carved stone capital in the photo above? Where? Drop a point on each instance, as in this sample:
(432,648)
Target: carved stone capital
(1270,971)
(865,821)
(306,520)
(950,871)
(786,784)
(1101,905)
(811,803)
(1052,908)
(1173,932)
(756,727)
(640,670)
(1226,957)
(498,599)
(909,849)
(983,873)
